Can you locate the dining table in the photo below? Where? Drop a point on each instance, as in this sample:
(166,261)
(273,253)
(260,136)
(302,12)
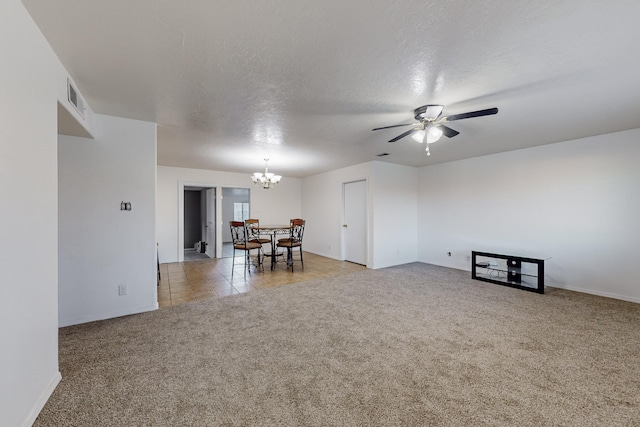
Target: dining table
(273,231)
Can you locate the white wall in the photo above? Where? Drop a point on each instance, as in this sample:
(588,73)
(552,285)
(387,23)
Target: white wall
(395,214)
(576,201)
(322,209)
(101,246)
(29,211)
(392,196)
(273,206)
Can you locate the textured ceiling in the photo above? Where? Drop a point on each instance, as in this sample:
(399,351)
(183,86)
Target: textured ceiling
(304,82)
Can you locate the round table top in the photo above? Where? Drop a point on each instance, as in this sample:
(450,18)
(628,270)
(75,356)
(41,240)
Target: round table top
(273,227)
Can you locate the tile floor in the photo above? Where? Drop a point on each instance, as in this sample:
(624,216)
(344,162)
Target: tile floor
(213,278)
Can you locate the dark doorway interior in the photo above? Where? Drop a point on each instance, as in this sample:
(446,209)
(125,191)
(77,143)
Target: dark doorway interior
(195,225)
(192,218)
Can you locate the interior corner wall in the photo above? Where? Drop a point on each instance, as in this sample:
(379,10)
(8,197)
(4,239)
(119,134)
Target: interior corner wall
(392,189)
(322,209)
(575,201)
(274,206)
(28,230)
(101,246)
(395,214)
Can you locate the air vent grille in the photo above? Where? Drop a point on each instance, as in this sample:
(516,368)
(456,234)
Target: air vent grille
(74,98)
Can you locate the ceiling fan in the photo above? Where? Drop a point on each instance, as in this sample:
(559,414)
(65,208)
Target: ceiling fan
(430,126)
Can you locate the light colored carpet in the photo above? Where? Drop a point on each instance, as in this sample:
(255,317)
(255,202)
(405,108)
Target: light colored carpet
(410,345)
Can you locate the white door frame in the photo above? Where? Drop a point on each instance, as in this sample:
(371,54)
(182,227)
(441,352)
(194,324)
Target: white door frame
(206,220)
(218,187)
(180,225)
(368,222)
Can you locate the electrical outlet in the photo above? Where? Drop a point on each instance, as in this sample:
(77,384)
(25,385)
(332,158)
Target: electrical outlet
(122,290)
(329,247)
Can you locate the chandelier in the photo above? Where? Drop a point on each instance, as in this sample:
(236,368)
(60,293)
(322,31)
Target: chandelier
(267,179)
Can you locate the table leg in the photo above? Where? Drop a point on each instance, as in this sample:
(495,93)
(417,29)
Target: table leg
(273,250)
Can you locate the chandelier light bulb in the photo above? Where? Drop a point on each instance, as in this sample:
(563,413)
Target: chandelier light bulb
(266,179)
(433,134)
(418,136)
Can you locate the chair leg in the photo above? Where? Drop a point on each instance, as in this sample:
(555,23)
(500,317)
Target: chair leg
(233,262)
(275,259)
(301,260)
(248,263)
(257,258)
(260,259)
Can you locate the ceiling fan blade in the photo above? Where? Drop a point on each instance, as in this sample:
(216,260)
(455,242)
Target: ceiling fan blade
(409,132)
(487,112)
(394,126)
(448,132)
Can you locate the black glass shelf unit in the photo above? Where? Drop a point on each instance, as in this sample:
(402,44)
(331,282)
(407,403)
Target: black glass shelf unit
(508,270)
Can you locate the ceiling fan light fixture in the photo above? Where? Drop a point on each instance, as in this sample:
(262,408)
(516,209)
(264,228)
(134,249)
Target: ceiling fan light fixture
(430,126)
(418,136)
(433,134)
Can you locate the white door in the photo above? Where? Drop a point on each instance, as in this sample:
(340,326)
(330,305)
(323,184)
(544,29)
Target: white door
(355,222)
(211,222)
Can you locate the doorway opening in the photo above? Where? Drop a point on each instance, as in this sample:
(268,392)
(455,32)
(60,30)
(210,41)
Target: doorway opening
(199,223)
(214,223)
(235,207)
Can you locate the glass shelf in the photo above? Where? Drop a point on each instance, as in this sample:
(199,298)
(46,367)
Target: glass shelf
(508,270)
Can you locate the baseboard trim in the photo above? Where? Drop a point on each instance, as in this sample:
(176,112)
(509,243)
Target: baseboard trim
(322,254)
(597,293)
(548,284)
(46,394)
(108,315)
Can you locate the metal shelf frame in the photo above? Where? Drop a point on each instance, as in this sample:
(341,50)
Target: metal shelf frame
(514,275)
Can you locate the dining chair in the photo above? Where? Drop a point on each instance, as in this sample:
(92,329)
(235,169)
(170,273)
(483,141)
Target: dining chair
(285,239)
(242,242)
(252,225)
(254,234)
(294,241)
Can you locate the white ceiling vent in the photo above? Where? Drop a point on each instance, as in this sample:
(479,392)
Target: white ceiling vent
(75,98)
